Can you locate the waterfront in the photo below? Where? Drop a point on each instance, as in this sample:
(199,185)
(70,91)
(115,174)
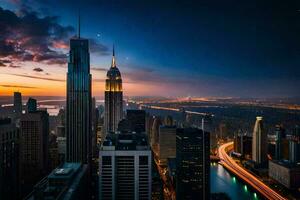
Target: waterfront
(223,181)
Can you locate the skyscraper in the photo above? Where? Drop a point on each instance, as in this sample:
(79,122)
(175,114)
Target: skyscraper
(31,105)
(192,164)
(18,102)
(294,145)
(78,117)
(9,160)
(259,142)
(125,167)
(280,134)
(34,128)
(113,97)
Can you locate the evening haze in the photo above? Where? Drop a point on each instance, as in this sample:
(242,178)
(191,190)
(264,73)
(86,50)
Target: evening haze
(213,48)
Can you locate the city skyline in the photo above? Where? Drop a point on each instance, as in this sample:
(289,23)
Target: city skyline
(213,58)
(201,100)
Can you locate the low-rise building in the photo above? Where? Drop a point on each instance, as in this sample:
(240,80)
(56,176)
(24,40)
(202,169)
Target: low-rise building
(286,173)
(67,182)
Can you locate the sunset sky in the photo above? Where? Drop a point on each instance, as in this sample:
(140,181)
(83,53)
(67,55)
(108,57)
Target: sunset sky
(163,48)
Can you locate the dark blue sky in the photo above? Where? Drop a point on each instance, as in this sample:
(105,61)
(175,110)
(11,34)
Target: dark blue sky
(206,48)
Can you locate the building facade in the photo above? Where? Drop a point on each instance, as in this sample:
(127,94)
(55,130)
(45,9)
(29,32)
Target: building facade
(113,112)
(34,129)
(192,164)
(280,135)
(78,111)
(31,105)
(167,144)
(286,173)
(9,160)
(294,146)
(125,167)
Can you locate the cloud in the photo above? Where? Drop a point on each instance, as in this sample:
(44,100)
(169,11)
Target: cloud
(101,69)
(28,37)
(38,69)
(8,63)
(18,86)
(14,66)
(4,62)
(37,77)
(98,48)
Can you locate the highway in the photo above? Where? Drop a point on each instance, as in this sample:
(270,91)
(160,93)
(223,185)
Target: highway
(243,174)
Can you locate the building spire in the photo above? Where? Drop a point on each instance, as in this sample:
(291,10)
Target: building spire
(113,62)
(78,34)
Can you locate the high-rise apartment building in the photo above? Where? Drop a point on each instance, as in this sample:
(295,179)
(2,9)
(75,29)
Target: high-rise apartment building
(125,167)
(34,129)
(192,164)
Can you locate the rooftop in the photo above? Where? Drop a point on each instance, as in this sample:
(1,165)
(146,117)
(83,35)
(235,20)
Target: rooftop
(287,164)
(126,141)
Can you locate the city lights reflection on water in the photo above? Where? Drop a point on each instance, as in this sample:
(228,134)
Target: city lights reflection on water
(223,181)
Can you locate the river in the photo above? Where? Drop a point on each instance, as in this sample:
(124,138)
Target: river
(223,181)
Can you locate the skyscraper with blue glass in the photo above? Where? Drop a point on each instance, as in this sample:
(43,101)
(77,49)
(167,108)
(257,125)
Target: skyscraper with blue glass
(78,118)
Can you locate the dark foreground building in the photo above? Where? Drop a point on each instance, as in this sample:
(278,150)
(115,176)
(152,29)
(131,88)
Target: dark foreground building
(68,182)
(192,164)
(9,160)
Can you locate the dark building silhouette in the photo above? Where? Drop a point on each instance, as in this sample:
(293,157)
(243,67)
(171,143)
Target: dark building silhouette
(124,126)
(280,135)
(31,105)
(243,145)
(18,102)
(69,181)
(9,160)
(294,145)
(113,112)
(79,102)
(34,129)
(137,119)
(192,164)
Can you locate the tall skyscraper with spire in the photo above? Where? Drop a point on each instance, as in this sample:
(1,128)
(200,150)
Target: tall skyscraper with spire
(113,97)
(259,142)
(78,111)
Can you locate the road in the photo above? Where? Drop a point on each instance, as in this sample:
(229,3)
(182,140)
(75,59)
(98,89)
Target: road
(243,174)
(169,191)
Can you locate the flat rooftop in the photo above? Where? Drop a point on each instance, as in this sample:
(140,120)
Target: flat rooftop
(126,141)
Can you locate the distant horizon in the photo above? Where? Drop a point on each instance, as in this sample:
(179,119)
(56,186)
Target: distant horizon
(159,96)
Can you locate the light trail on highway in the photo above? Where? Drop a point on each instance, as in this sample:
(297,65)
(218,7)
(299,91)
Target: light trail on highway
(243,174)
